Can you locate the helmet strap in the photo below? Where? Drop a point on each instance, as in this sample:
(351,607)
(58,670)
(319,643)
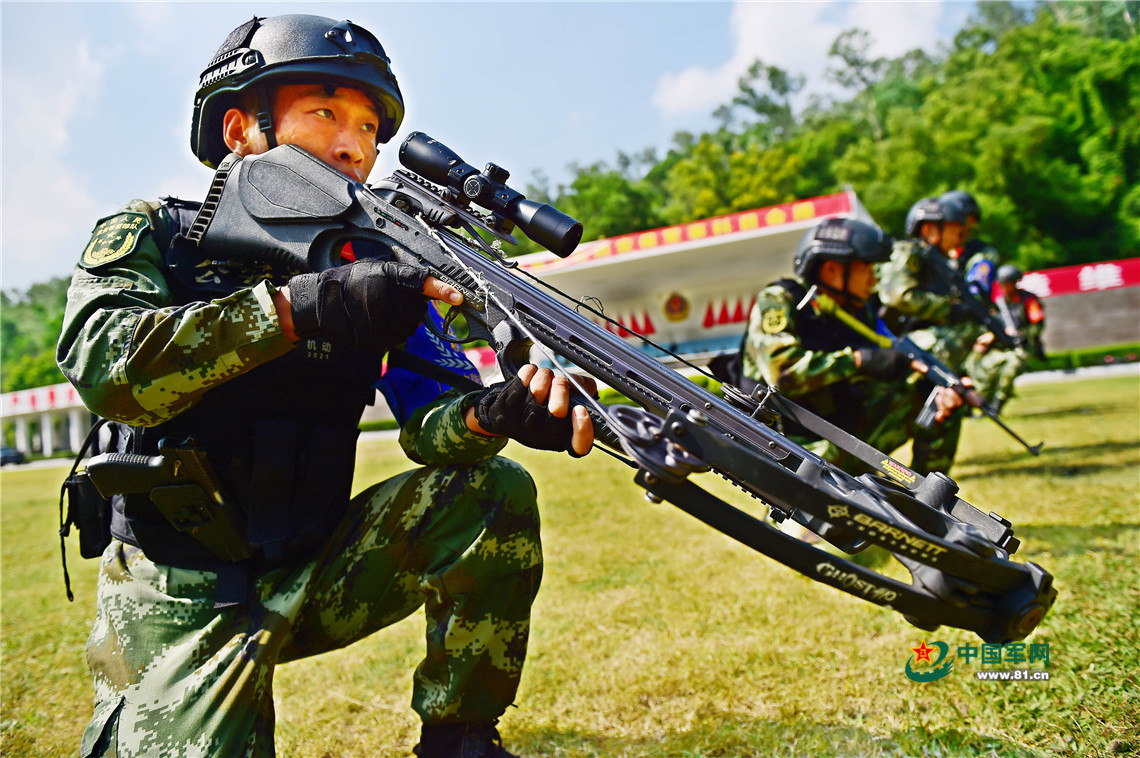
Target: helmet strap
(845,295)
(265,117)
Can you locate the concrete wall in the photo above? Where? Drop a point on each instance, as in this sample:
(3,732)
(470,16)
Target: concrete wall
(1092,319)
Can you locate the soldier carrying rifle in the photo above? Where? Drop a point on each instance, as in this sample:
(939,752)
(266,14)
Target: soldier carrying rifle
(993,367)
(822,363)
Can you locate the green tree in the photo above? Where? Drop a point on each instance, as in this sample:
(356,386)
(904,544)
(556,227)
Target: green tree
(611,201)
(725,173)
(1037,120)
(1108,19)
(1032,109)
(30,323)
(765,94)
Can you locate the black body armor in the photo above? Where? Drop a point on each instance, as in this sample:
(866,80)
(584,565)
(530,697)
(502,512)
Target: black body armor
(840,403)
(281,437)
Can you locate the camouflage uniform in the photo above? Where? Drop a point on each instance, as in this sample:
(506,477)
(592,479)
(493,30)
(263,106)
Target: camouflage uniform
(810,359)
(995,368)
(177,675)
(917,302)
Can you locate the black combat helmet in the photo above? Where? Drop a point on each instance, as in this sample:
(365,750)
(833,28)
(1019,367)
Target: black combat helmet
(935,209)
(1009,274)
(841,239)
(290,49)
(966,200)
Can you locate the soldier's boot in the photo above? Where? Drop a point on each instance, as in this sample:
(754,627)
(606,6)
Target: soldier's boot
(469,740)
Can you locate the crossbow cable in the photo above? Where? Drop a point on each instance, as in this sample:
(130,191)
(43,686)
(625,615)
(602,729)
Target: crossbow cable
(961,573)
(288,206)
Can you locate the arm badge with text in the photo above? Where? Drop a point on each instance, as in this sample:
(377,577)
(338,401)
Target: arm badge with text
(114,238)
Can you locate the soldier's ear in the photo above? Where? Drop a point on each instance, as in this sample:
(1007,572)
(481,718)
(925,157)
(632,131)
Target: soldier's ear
(829,272)
(240,132)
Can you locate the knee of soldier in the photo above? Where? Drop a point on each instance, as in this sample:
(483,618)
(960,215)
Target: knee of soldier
(505,479)
(509,504)
(507,495)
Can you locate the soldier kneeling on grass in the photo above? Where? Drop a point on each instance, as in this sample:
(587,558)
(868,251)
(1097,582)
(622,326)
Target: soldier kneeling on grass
(824,365)
(263,371)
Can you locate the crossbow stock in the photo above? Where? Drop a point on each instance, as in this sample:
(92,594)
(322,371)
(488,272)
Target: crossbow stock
(285,205)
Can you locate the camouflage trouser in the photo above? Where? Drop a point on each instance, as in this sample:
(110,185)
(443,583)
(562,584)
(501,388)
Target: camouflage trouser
(888,421)
(934,448)
(175,677)
(993,372)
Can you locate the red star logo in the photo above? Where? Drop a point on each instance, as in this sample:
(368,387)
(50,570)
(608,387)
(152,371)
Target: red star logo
(922,652)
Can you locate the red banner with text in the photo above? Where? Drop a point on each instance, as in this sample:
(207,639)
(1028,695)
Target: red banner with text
(1090,277)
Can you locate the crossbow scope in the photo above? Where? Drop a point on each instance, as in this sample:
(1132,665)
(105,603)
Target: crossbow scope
(543,223)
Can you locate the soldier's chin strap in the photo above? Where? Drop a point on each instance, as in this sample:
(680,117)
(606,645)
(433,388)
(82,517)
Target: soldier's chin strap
(265,117)
(846,295)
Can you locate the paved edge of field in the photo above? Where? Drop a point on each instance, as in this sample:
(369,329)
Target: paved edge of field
(1037,377)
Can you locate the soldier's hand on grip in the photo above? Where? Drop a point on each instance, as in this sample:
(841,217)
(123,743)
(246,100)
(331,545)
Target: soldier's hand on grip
(370,304)
(533,408)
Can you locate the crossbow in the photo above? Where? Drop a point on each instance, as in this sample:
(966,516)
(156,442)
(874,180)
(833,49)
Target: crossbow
(436,212)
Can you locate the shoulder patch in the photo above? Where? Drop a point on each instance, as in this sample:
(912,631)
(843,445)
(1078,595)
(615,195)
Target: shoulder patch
(114,238)
(774,320)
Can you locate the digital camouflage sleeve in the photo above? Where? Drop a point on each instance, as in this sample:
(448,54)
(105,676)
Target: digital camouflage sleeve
(901,285)
(773,353)
(437,434)
(134,356)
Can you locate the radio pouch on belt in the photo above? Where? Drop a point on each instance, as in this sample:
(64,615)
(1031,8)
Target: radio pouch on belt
(87,510)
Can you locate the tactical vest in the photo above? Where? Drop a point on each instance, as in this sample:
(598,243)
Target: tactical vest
(281,437)
(1019,309)
(841,403)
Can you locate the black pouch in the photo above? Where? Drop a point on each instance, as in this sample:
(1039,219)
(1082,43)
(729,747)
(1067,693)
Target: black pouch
(87,510)
(90,513)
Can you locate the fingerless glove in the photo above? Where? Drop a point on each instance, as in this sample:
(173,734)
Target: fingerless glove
(370,304)
(509,409)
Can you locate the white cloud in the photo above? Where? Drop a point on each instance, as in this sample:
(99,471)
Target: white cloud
(796,37)
(46,204)
(151,25)
(153,16)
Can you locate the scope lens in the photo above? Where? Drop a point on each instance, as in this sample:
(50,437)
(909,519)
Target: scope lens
(548,226)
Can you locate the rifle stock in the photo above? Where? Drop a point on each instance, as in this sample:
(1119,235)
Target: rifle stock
(303,211)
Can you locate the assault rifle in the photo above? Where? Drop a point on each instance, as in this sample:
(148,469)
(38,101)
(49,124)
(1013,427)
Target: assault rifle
(1011,327)
(934,369)
(981,309)
(287,206)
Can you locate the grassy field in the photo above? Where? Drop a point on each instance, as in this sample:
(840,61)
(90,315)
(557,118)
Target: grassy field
(656,636)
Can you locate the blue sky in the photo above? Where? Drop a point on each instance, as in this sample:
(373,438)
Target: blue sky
(97,96)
